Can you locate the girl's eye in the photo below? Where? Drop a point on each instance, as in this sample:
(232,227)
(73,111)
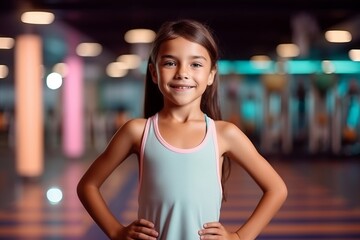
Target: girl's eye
(196,65)
(169,64)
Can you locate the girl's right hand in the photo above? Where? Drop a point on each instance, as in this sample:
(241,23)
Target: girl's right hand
(139,229)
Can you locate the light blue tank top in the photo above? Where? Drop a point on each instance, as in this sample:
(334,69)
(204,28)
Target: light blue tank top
(180,189)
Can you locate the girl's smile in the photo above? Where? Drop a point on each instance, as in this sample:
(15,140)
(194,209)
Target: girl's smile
(181,134)
(181,87)
(182,66)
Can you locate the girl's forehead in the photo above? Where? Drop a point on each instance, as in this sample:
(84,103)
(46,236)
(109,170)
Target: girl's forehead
(182,46)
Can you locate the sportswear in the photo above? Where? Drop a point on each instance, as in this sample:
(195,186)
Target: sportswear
(180,189)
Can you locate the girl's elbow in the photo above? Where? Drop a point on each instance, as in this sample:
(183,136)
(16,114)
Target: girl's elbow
(86,188)
(283,192)
(81,189)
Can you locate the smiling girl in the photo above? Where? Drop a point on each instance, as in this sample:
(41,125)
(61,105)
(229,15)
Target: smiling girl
(182,147)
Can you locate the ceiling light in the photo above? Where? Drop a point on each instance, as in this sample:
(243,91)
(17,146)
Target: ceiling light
(4,70)
(288,50)
(61,68)
(6,43)
(140,36)
(261,61)
(116,69)
(354,54)
(132,61)
(260,58)
(88,49)
(338,36)
(37,17)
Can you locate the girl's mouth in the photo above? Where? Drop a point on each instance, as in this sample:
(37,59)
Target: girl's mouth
(181,87)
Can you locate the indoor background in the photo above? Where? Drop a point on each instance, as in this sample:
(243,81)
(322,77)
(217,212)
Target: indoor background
(72,72)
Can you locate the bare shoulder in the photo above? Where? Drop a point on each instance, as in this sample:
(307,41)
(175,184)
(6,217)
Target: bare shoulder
(227,129)
(129,135)
(133,128)
(135,124)
(231,138)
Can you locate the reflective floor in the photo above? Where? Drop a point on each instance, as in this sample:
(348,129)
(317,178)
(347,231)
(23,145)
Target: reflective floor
(323,202)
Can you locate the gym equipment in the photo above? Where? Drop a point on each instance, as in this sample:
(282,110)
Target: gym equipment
(276,118)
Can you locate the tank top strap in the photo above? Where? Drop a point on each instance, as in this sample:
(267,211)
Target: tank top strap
(207,121)
(143,143)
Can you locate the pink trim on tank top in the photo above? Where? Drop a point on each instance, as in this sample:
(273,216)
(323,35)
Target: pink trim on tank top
(176,149)
(210,128)
(216,153)
(142,150)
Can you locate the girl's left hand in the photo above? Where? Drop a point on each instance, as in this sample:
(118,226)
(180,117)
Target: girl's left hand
(215,230)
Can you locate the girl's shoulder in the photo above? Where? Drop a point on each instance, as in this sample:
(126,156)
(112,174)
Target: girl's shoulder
(135,125)
(131,132)
(224,125)
(132,129)
(136,121)
(227,129)
(232,139)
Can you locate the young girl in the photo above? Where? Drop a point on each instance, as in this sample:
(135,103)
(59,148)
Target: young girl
(182,147)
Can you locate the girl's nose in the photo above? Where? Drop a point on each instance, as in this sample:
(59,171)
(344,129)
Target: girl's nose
(182,73)
(181,76)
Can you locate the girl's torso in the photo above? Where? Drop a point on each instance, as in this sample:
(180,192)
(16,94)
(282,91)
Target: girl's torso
(180,188)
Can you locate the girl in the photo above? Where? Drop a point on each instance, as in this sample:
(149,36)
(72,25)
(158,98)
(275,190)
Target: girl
(182,147)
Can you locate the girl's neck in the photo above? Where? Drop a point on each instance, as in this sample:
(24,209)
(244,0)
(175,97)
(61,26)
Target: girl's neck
(181,115)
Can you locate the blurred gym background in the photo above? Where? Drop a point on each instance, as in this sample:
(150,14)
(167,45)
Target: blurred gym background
(72,72)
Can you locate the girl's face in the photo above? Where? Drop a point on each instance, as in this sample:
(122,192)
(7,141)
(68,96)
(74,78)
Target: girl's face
(182,71)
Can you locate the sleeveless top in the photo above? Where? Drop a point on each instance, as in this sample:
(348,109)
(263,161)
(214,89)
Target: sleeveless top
(179,189)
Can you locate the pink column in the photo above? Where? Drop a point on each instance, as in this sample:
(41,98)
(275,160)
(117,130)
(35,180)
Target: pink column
(73,110)
(28,106)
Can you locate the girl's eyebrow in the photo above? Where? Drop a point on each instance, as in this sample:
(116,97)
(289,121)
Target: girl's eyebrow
(166,56)
(192,57)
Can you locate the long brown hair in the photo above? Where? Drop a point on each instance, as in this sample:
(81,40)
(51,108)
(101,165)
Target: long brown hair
(199,33)
(194,32)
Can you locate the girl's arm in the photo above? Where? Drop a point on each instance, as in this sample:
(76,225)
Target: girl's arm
(125,142)
(234,143)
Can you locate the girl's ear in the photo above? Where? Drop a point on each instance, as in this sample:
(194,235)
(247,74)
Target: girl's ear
(152,70)
(211,77)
